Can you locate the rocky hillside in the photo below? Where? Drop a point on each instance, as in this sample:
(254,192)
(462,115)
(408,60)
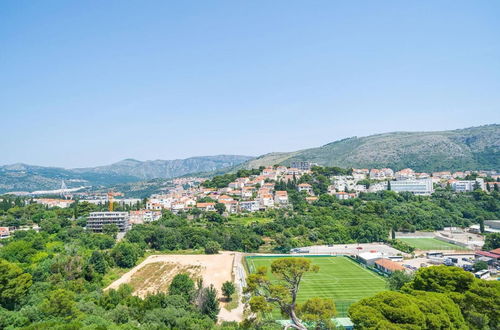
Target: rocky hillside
(22,177)
(469,148)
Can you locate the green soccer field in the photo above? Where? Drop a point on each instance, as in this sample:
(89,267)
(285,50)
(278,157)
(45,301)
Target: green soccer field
(430,244)
(339,278)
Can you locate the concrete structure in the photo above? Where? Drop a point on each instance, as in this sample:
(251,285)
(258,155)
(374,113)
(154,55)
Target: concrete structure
(417,187)
(97,220)
(303,166)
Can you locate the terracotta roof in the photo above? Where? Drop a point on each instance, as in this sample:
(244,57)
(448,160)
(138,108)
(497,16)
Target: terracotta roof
(204,204)
(488,254)
(389,264)
(496,251)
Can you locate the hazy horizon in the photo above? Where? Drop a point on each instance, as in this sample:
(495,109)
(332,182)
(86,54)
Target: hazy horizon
(92,83)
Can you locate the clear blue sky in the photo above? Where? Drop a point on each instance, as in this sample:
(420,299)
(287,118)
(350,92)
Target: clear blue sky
(86,83)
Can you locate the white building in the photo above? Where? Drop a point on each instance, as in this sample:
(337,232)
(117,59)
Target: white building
(281,198)
(406,174)
(417,187)
(250,206)
(142,216)
(467,185)
(305,187)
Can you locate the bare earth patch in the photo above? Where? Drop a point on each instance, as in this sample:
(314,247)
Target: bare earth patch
(156,272)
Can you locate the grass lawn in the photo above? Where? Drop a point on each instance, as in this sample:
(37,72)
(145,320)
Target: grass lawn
(245,221)
(430,244)
(338,278)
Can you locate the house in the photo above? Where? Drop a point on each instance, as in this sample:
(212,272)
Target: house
(208,207)
(247,192)
(280,170)
(389,173)
(311,199)
(364,172)
(344,195)
(266,200)
(269,186)
(249,206)
(225,198)
(4,232)
(142,216)
(406,174)
(377,174)
(388,266)
(231,206)
(177,206)
(422,175)
(360,188)
(281,198)
(293,171)
(154,206)
(377,187)
(457,175)
(305,187)
(442,175)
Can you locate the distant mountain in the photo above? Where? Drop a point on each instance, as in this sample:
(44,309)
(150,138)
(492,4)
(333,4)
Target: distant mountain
(461,149)
(22,177)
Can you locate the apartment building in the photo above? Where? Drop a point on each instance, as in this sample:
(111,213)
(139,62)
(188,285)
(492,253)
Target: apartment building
(97,220)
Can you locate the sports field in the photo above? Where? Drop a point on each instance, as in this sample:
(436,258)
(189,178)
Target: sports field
(339,278)
(430,244)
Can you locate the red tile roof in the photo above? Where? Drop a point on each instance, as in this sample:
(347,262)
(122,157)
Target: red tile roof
(389,264)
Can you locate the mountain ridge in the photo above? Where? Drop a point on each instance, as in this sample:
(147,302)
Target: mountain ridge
(471,148)
(25,177)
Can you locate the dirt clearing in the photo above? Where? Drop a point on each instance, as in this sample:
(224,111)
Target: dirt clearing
(156,272)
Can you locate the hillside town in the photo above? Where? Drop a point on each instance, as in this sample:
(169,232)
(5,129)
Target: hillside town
(258,192)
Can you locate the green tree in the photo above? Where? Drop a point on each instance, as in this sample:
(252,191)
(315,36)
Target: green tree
(209,304)
(396,310)
(289,272)
(480,265)
(60,303)
(182,285)
(125,254)
(397,279)
(14,284)
(318,310)
(98,262)
(441,279)
(491,241)
(228,289)
(481,305)
(110,229)
(212,247)
(220,208)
